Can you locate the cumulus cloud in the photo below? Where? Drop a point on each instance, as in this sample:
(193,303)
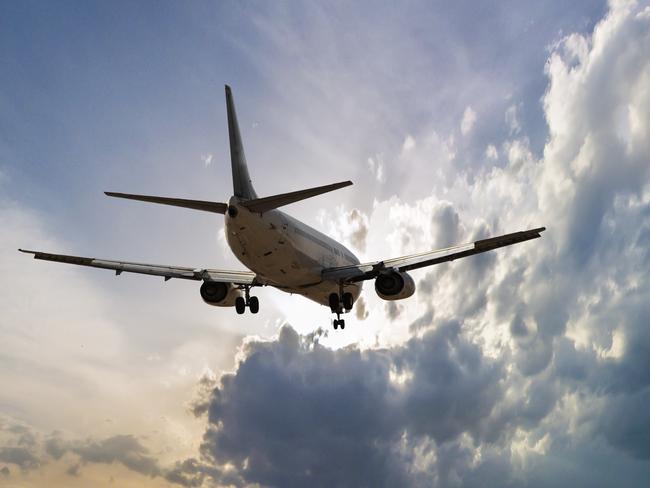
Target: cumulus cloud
(468,121)
(524,366)
(370,407)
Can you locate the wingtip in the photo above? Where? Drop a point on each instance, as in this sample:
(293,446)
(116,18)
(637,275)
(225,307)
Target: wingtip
(26,251)
(228,89)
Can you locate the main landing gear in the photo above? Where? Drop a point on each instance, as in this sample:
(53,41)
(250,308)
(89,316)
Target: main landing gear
(339,302)
(247,301)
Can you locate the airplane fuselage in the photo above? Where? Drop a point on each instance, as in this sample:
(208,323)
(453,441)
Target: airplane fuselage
(286,253)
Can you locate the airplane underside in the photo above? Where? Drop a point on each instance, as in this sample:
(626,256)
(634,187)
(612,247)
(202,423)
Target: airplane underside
(264,244)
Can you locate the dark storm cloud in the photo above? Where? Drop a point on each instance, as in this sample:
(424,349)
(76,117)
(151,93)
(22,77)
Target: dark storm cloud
(295,413)
(124,449)
(20,456)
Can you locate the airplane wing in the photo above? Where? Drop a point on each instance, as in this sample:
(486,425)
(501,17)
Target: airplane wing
(168,272)
(367,271)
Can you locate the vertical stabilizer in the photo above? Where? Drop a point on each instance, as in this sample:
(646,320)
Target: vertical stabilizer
(241,181)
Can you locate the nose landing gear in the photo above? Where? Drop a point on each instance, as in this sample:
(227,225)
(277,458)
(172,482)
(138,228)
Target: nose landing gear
(247,301)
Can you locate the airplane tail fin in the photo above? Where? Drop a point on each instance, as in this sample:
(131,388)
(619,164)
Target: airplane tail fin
(241,180)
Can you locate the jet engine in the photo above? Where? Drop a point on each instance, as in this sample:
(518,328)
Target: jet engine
(219,294)
(394,285)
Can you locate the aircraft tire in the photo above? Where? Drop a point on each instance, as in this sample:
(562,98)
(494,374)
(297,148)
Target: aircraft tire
(347,301)
(254,304)
(240,305)
(334,302)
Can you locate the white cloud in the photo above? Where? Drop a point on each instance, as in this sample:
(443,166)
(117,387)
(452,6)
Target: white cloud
(207,159)
(491,152)
(409,143)
(512,119)
(468,121)
(376,166)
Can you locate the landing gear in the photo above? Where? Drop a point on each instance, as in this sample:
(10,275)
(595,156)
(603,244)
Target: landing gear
(339,302)
(247,301)
(240,305)
(254,304)
(335,302)
(347,301)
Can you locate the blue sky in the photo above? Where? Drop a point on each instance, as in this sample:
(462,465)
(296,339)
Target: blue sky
(455,120)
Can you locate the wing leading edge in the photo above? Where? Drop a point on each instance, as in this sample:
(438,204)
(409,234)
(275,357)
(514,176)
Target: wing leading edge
(367,271)
(168,272)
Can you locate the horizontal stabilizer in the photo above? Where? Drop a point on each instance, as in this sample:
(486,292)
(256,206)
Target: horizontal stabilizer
(261,205)
(206,206)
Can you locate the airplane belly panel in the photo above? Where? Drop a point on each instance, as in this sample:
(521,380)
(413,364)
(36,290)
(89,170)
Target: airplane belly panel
(261,243)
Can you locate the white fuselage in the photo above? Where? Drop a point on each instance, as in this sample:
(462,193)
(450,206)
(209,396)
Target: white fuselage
(287,254)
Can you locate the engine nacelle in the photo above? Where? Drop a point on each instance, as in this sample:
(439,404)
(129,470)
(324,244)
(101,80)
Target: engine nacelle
(394,285)
(219,294)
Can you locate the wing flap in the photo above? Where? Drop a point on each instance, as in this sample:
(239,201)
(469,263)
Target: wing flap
(168,272)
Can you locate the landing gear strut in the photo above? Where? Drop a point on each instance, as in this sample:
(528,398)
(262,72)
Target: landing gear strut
(339,302)
(247,301)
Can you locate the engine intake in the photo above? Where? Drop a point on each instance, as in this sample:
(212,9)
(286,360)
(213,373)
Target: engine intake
(219,294)
(394,285)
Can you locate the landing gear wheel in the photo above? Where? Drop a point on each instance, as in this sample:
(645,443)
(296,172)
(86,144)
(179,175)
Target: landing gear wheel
(336,324)
(240,305)
(254,304)
(347,301)
(334,302)
(342,324)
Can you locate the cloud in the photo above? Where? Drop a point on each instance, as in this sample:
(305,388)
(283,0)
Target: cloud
(512,119)
(376,166)
(525,366)
(358,229)
(491,152)
(73,454)
(207,159)
(468,121)
(20,456)
(124,449)
(310,400)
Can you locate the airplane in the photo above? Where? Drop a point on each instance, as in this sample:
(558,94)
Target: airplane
(282,252)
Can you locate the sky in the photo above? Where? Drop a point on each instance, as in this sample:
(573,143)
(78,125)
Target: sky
(526,366)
